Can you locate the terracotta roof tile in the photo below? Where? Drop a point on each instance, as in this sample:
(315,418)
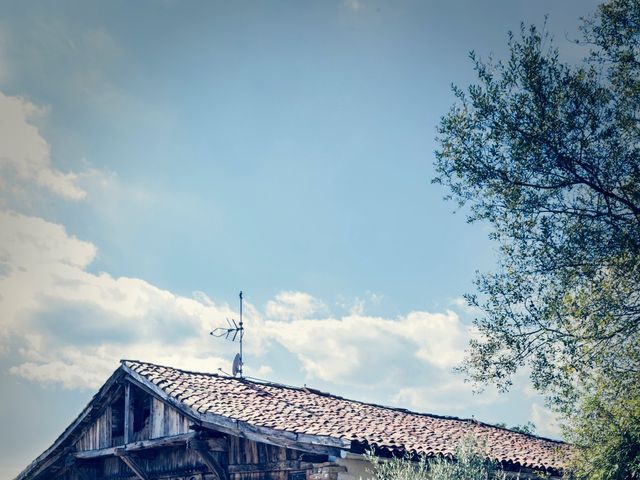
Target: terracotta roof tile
(308,411)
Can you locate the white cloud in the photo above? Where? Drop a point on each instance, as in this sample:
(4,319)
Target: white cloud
(343,349)
(448,395)
(25,155)
(71,326)
(546,422)
(62,323)
(293,306)
(441,337)
(262,372)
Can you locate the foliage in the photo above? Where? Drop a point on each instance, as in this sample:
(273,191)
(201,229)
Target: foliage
(549,155)
(606,430)
(469,463)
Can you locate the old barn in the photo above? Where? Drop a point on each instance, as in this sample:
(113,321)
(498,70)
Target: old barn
(154,422)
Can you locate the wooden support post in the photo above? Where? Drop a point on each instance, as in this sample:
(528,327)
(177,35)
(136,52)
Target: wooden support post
(202,448)
(131,463)
(128,414)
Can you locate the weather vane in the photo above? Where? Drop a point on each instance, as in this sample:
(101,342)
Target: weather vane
(231,333)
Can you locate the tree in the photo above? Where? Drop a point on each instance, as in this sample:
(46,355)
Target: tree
(549,155)
(606,430)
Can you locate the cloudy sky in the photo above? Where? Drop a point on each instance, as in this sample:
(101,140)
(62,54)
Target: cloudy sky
(158,157)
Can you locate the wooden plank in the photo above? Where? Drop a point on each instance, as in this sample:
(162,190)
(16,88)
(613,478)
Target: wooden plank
(102,430)
(173,421)
(128,414)
(132,464)
(278,440)
(209,460)
(281,453)
(215,444)
(323,440)
(109,426)
(233,449)
(157,418)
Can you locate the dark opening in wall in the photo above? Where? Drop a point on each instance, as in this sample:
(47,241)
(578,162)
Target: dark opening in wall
(141,414)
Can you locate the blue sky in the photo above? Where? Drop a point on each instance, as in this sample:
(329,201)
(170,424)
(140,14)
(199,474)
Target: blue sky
(157,157)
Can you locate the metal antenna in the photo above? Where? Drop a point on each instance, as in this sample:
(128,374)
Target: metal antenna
(231,333)
(241,334)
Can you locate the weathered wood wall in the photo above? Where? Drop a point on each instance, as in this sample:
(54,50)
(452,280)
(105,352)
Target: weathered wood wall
(98,435)
(242,459)
(161,463)
(166,420)
(163,421)
(249,460)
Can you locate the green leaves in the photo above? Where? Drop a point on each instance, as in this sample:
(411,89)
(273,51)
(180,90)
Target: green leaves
(606,432)
(537,150)
(470,462)
(549,155)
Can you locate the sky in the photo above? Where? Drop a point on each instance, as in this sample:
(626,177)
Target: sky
(157,157)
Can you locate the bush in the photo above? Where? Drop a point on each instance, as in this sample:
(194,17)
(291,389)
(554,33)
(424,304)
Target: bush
(470,462)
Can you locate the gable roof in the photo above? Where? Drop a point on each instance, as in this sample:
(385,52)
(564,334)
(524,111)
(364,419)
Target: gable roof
(304,418)
(340,422)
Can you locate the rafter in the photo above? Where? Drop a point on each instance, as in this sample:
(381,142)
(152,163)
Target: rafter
(131,463)
(202,448)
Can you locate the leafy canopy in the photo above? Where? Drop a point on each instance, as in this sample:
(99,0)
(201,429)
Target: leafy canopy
(606,430)
(549,155)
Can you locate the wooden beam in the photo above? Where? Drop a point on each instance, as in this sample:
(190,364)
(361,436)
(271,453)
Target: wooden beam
(280,439)
(304,447)
(215,444)
(202,448)
(48,466)
(131,463)
(128,414)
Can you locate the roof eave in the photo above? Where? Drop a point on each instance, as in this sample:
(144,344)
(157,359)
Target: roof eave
(284,438)
(51,455)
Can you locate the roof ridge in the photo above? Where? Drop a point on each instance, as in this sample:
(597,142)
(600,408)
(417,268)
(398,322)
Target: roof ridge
(338,397)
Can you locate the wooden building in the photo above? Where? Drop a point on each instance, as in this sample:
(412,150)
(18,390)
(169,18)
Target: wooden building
(154,422)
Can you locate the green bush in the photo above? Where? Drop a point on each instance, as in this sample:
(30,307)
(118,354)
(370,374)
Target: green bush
(470,462)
